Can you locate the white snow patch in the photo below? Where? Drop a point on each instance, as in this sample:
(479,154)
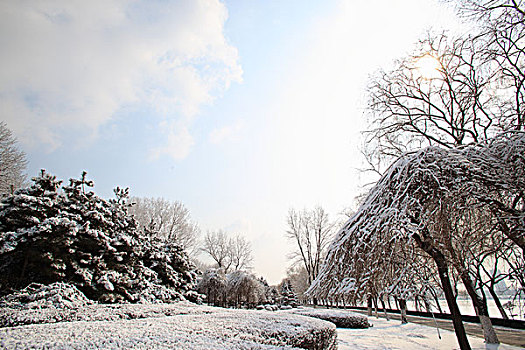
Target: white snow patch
(190,327)
(394,336)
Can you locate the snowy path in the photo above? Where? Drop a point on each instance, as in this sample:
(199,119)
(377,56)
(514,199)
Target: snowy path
(392,335)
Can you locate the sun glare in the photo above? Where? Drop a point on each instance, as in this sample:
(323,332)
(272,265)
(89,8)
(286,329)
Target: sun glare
(428,67)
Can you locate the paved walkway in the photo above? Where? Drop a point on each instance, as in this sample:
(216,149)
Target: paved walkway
(515,337)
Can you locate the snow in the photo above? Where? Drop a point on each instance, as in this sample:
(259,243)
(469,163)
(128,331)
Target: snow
(160,326)
(38,318)
(341,318)
(406,203)
(394,336)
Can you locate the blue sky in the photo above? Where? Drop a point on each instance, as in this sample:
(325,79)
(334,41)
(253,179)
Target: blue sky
(239,109)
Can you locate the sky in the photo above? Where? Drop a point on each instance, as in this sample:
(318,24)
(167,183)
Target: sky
(239,109)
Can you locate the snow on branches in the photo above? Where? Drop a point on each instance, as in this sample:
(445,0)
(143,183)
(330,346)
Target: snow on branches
(406,209)
(53,233)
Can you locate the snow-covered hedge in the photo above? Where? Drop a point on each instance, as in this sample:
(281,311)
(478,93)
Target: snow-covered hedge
(341,318)
(38,296)
(145,326)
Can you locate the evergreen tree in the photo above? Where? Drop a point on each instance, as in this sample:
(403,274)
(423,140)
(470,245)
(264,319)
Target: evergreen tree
(288,296)
(74,236)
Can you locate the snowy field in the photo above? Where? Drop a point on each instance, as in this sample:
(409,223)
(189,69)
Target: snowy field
(392,335)
(160,326)
(62,318)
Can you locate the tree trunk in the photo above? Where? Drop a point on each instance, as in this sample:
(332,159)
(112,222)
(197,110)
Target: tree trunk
(369,305)
(436,299)
(384,308)
(427,305)
(482,310)
(416,303)
(442,266)
(403,306)
(452,305)
(498,302)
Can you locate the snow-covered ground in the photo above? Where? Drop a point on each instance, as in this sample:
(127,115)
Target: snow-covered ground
(160,326)
(60,317)
(392,335)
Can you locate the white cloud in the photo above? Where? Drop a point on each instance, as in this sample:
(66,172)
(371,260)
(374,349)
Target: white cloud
(178,142)
(229,132)
(70,66)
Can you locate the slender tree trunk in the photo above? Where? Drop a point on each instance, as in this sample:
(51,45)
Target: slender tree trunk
(442,266)
(452,305)
(438,305)
(369,305)
(403,307)
(427,305)
(482,310)
(384,308)
(497,302)
(416,303)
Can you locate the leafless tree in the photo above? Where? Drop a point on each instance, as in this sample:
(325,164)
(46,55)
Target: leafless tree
(168,220)
(217,245)
(443,94)
(502,29)
(312,231)
(240,253)
(228,253)
(213,284)
(13,162)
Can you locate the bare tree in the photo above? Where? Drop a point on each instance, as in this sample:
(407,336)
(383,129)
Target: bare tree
(502,28)
(213,283)
(217,245)
(13,162)
(312,232)
(240,253)
(228,253)
(168,220)
(244,289)
(442,94)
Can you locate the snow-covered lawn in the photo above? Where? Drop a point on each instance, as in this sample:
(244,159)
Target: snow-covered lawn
(392,335)
(189,326)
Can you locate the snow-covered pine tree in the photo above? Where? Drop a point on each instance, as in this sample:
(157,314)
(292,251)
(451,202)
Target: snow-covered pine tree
(74,236)
(288,296)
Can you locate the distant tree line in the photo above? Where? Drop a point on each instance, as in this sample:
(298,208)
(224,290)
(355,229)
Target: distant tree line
(243,289)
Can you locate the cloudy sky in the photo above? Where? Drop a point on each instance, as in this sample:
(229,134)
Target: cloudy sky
(240,109)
